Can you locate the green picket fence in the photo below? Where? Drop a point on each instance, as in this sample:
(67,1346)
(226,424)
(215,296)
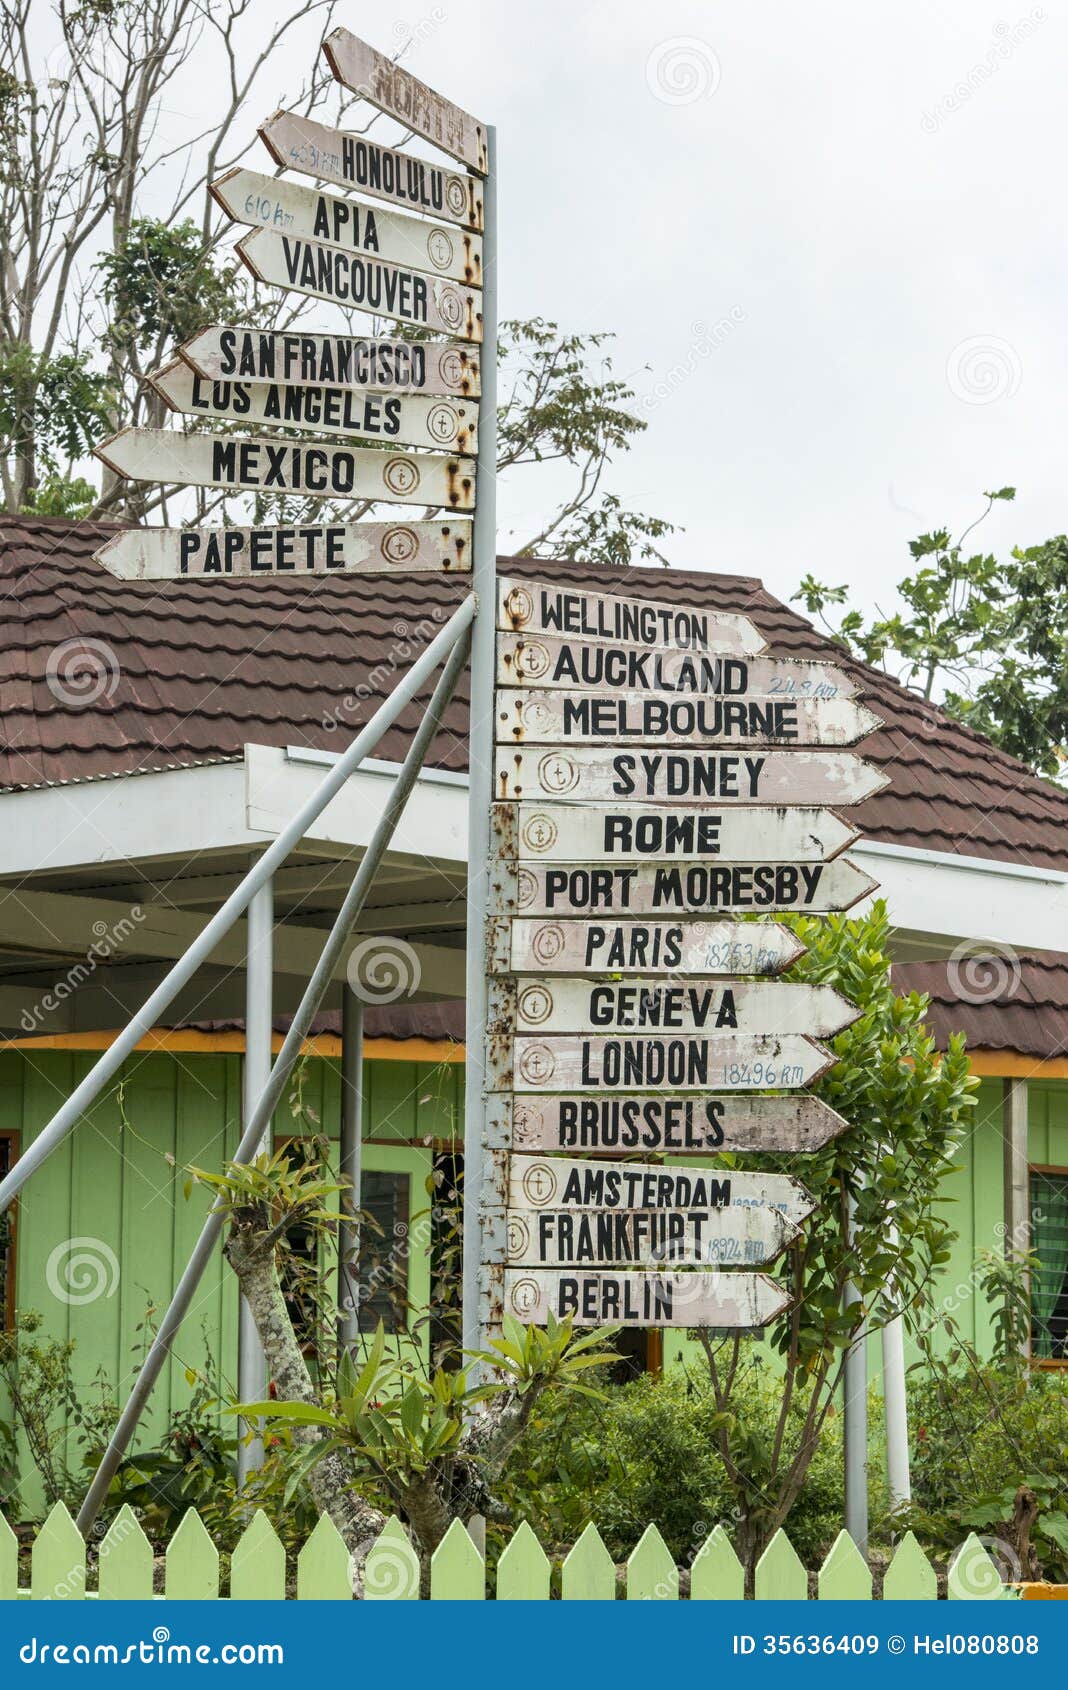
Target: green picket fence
(258,1570)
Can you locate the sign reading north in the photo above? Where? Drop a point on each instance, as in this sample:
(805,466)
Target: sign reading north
(352,161)
(548,660)
(736,1301)
(270,202)
(601,1062)
(585,718)
(445,424)
(399,94)
(568,1004)
(163,554)
(537,607)
(634,947)
(659,777)
(325,360)
(287,466)
(683,888)
(618,1126)
(349,279)
(629,833)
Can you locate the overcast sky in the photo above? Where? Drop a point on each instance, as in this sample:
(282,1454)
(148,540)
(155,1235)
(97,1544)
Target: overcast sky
(829,239)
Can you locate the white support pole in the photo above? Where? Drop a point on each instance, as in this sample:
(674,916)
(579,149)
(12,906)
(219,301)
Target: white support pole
(350,1167)
(895,1403)
(855,1426)
(480,792)
(259,998)
(1016,1175)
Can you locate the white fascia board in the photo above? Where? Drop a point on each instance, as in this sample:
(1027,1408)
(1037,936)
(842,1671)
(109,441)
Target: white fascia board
(169,813)
(954,899)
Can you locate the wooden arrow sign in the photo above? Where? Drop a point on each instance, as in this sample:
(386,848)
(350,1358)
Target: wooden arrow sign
(620,1126)
(271,202)
(647,1237)
(555,1182)
(352,161)
(630,833)
(547,660)
(720,1062)
(540,607)
(399,94)
(699,1297)
(588,718)
(289,466)
(318,360)
(590,774)
(550,1003)
(636,947)
(448,425)
(372,548)
(362,284)
(528,888)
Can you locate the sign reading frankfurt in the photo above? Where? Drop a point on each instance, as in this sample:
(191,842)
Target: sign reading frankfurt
(399,94)
(318,360)
(538,607)
(352,161)
(629,833)
(547,660)
(735,1301)
(686,776)
(664,1125)
(372,548)
(634,947)
(270,202)
(449,425)
(683,888)
(289,466)
(726,1237)
(349,279)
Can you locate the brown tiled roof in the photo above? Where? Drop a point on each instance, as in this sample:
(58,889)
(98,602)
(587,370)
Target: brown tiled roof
(999,1000)
(203,668)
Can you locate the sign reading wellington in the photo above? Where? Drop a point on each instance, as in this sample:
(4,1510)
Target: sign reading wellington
(655,765)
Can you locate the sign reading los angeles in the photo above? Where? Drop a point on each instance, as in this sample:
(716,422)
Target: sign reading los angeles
(661,779)
(404,245)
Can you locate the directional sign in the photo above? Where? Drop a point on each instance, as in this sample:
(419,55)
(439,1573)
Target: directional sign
(538,607)
(552,1003)
(363,284)
(662,777)
(271,202)
(720,1062)
(647,1237)
(553,1182)
(619,1126)
(318,360)
(399,94)
(288,466)
(630,833)
(699,1297)
(299,143)
(445,424)
(589,718)
(547,660)
(682,888)
(635,947)
(372,548)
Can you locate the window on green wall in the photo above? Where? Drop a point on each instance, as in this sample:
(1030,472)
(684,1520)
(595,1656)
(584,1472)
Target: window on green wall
(1049,1242)
(384,1251)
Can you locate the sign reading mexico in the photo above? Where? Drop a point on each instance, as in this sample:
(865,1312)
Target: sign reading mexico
(403,244)
(663,785)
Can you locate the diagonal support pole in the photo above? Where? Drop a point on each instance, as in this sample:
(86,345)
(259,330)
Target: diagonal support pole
(147,1017)
(260,1117)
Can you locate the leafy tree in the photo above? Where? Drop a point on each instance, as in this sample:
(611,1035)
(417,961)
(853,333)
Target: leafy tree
(875,1226)
(986,637)
(52,410)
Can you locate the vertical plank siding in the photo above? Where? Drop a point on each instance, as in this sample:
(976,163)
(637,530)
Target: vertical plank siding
(525,1573)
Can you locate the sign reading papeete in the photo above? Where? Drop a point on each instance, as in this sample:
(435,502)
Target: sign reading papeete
(373,548)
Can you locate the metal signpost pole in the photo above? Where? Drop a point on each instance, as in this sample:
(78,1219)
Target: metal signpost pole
(251,1366)
(481,753)
(350,1166)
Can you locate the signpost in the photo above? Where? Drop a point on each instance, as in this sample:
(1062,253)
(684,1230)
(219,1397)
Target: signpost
(590,718)
(702,1297)
(528,888)
(686,776)
(653,1123)
(550,660)
(569,1004)
(316,360)
(397,92)
(647,1237)
(634,947)
(637,1062)
(545,608)
(633,833)
(372,548)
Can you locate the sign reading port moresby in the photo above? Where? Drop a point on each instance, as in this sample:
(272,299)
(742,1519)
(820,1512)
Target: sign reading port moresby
(656,767)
